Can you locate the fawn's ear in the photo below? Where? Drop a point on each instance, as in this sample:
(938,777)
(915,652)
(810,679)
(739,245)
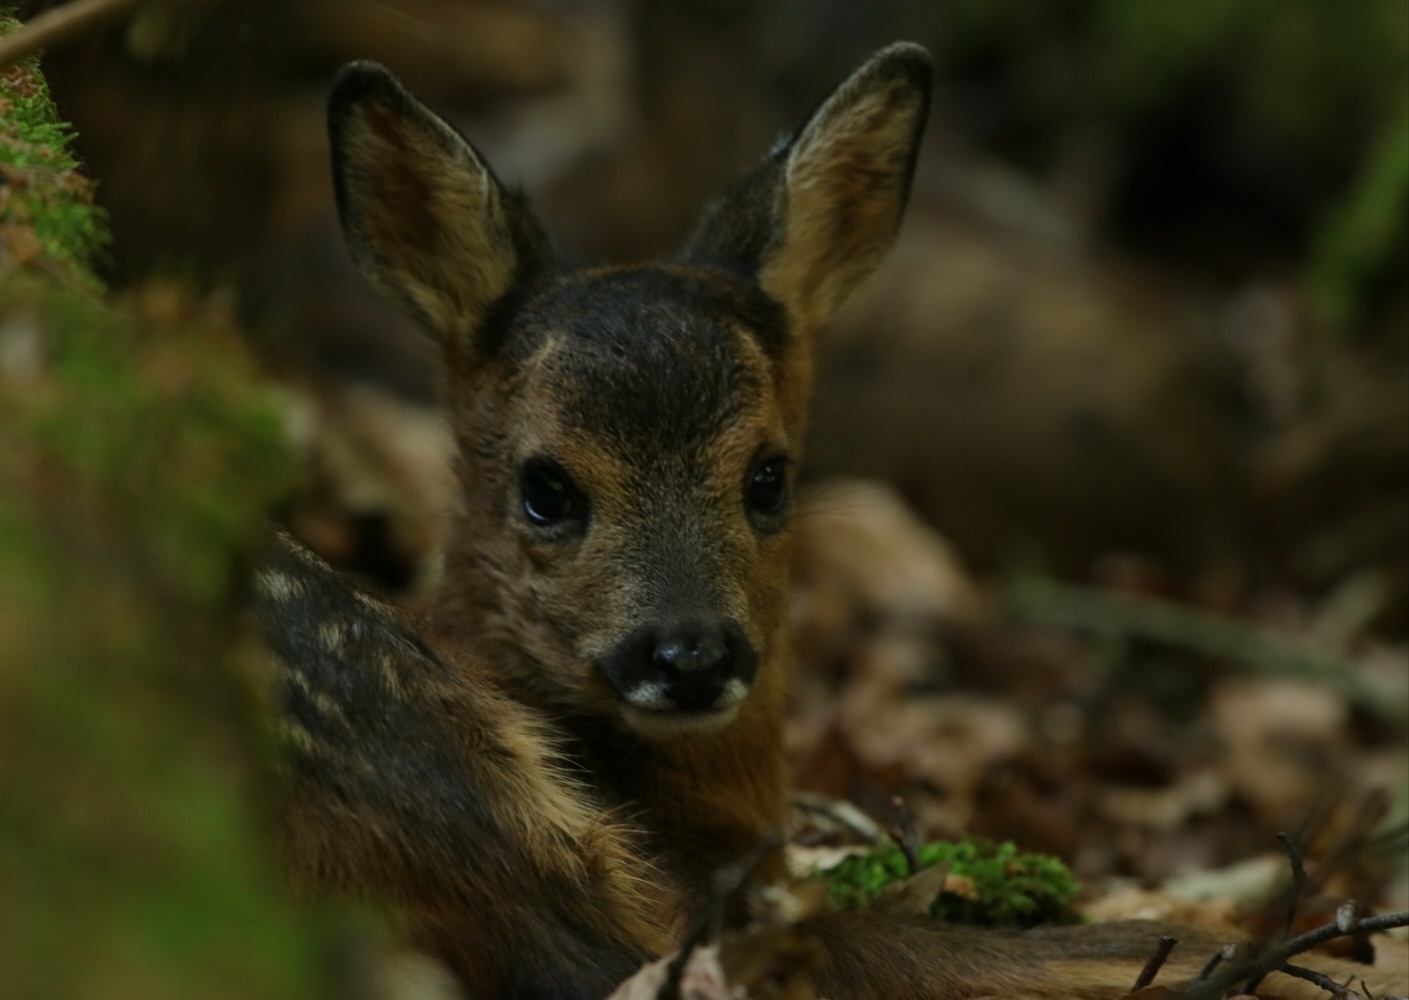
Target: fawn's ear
(426,220)
(819,214)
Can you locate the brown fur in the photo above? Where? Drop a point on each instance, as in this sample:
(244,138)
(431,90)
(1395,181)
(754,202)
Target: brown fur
(418,783)
(520,774)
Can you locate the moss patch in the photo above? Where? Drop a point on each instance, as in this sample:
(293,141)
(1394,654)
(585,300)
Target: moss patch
(1001,886)
(135,463)
(47,216)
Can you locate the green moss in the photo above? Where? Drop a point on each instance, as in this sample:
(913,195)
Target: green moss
(166,424)
(137,456)
(47,216)
(1009,888)
(136,460)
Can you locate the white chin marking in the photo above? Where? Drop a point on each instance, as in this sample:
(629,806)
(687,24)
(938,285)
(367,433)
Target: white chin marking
(671,723)
(650,697)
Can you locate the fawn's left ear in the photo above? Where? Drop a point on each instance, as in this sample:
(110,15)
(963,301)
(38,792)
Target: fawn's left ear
(820,213)
(426,220)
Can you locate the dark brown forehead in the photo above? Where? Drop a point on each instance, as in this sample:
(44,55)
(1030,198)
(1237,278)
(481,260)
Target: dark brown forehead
(649,355)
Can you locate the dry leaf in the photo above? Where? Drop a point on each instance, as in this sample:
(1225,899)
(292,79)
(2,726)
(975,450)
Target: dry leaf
(1152,904)
(701,979)
(858,542)
(1282,738)
(912,896)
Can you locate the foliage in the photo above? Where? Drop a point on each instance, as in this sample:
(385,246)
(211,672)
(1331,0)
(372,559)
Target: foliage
(138,452)
(137,459)
(47,215)
(1010,888)
(1313,73)
(1313,91)
(1366,235)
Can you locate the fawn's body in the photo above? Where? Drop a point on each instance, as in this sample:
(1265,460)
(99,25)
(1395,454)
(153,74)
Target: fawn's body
(544,774)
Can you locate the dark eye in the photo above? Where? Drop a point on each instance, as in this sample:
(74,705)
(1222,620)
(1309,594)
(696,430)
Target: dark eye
(549,496)
(766,491)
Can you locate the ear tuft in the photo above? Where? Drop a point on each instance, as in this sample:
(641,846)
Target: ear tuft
(819,215)
(425,219)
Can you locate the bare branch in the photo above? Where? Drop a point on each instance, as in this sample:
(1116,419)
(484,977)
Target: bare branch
(1298,879)
(1156,962)
(1214,987)
(1225,954)
(1341,991)
(909,838)
(709,920)
(61,26)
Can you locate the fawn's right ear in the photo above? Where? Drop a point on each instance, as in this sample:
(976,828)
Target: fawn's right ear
(812,221)
(426,220)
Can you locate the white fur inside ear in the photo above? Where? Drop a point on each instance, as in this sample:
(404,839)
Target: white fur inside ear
(423,215)
(846,180)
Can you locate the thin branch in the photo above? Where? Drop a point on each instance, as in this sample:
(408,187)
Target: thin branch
(1272,958)
(1293,893)
(843,813)
(61,26)
(1348,916)
(1156,962)
(1298,864)
(1225,954)
(1341,991)
(709,919)
(909,838)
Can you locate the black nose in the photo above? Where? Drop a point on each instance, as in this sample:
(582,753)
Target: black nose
(691,649)
(681,665)
(695,659)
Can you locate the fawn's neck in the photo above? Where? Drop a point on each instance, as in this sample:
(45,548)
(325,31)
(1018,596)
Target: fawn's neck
(703,801)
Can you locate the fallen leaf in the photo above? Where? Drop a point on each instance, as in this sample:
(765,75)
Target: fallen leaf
(701,979)
(1152,904)
(913,896)
(1282,739)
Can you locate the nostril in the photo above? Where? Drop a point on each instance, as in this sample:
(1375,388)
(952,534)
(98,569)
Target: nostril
(710,652)
(669,653)
(691,652)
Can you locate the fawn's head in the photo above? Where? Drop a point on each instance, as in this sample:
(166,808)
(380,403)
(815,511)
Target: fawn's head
(628,436)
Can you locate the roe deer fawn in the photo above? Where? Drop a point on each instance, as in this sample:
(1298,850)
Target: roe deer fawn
(543,774)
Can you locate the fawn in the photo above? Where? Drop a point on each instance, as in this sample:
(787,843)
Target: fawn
(542,775)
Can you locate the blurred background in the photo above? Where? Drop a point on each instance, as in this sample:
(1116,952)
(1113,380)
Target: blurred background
(1106,548)
(1150,297)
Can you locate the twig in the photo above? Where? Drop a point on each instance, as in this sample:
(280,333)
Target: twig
(1214,987)
(61,26)
(709,920)
(1341,991)
(1156,962)
(1298,864)
(1294,894)
(1225,954)
(909,837)
(1348,916)
(842,813)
